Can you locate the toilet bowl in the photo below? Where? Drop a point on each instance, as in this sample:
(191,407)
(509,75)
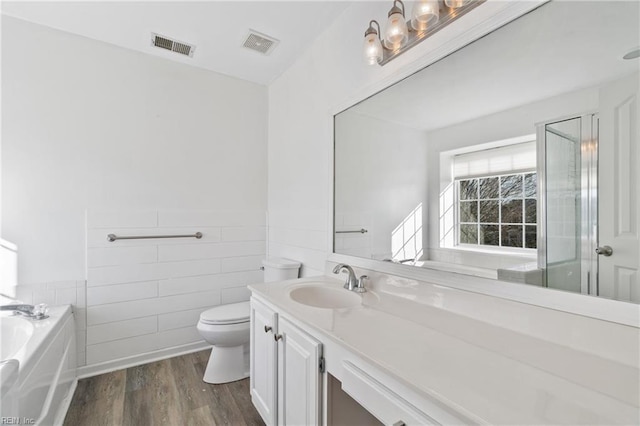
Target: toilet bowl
(226,327)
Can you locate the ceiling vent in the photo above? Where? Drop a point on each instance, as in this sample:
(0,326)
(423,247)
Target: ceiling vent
(260,42)
(173,45)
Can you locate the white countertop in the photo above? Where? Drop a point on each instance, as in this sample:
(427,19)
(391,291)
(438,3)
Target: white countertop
(490,374)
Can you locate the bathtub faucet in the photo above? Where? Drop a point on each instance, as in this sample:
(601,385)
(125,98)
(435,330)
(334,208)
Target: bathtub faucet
(26,310)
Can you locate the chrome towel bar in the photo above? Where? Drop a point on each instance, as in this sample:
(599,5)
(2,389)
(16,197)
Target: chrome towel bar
(359,231)
(113,237)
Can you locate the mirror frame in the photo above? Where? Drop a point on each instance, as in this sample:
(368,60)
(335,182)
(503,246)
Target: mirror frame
(483,20)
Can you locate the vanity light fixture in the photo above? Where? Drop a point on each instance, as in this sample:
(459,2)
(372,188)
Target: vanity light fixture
(454,4)
(397,32)
(424,14)
(372,44)
(427,17)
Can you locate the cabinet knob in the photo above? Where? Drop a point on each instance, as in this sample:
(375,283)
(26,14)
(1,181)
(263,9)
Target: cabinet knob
(399,423)
(277,337)
(267,328)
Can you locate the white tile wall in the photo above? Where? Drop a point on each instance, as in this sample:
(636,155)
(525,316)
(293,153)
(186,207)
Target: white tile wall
(242,263)
(193,251)
(234,295)
(147,295)
(151,271)
(108,351)
(121,329)
(121,292)
(207,282)
(300,235)
(121,256)
(179,319)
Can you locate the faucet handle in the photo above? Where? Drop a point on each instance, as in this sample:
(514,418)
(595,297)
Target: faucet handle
(40,311)
(360,287)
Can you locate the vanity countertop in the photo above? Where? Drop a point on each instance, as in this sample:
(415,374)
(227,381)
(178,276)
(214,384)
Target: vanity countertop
(489,372)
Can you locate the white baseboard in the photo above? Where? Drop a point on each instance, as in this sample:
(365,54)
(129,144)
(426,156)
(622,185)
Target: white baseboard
(145,358)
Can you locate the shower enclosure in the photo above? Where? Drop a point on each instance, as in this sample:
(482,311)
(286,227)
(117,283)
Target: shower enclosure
(568,213)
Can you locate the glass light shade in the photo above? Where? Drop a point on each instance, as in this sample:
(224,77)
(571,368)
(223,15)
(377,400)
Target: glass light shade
(424,14)
(454,4)
(372,49)
(396,34)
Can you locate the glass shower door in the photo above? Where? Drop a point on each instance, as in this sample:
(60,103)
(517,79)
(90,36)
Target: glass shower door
(570,212)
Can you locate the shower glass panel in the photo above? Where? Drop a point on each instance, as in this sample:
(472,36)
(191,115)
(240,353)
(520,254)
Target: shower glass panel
(564,205)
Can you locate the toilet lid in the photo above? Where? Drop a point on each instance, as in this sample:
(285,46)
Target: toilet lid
(226,314)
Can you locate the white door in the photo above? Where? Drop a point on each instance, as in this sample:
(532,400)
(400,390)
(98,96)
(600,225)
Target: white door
(299,377)
(263,361)
(619,187)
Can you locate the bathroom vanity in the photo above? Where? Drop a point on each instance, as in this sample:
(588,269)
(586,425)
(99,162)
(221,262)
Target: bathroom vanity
(410,352)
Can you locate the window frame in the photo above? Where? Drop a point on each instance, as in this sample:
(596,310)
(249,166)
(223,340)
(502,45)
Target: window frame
(523,250)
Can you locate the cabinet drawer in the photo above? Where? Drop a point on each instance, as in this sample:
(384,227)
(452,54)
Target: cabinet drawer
(379,400)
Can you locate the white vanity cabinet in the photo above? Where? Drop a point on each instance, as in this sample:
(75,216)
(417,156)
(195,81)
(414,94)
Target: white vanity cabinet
(299,376)
(285,370)
(263,361)
(287,378)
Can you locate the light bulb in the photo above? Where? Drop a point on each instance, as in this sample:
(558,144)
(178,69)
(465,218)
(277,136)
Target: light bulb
(396,34)
(454,4)
(424,14)
(372,49)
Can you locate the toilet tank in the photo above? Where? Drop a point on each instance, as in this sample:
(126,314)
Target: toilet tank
(280,269)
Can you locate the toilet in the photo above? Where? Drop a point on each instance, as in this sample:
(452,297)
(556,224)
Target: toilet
(226,327)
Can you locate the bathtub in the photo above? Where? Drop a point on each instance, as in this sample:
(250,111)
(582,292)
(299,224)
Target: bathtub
(37,367)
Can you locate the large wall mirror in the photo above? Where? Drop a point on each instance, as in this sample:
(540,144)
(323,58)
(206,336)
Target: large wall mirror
(514,158)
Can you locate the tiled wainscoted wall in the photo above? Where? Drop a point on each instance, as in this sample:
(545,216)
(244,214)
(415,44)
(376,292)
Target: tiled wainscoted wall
(145,296)
(300,235)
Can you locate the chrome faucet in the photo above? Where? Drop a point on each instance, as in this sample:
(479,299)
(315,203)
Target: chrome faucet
(36,312)
(19,308)
(352,283)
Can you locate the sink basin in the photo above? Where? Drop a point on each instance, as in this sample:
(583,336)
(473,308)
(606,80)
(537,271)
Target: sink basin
(321,296)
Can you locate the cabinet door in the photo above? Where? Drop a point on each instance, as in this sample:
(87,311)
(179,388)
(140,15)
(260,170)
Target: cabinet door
(299,377)
(263,361)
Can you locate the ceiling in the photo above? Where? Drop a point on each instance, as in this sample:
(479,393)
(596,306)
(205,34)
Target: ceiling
(217,28)
(558,48)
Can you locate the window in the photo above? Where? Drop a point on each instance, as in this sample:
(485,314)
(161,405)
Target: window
(495,196)
(498,210)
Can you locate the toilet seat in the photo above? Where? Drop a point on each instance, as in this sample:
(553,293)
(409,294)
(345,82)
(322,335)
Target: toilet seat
(234,313)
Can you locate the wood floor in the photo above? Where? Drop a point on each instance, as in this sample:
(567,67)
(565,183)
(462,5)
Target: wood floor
(169,392)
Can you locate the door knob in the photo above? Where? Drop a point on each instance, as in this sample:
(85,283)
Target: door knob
(604,251)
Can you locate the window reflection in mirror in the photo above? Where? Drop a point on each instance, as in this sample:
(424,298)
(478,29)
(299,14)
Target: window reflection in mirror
(513,158)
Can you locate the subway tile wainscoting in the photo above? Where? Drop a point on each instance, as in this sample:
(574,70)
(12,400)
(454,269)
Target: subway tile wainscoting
(144,296)
(300,235)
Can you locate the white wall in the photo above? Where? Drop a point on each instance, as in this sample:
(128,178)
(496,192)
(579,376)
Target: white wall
(380,181)
(147,295)
(88,125)
(98,139)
